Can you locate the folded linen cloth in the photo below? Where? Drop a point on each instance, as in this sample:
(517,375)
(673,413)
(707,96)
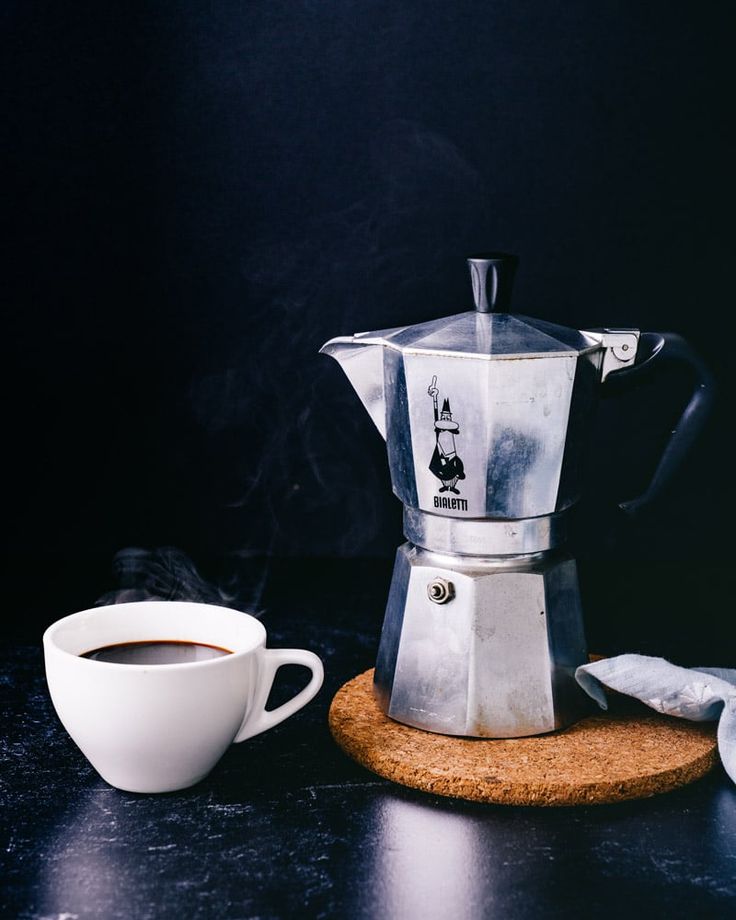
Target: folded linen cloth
(699,694)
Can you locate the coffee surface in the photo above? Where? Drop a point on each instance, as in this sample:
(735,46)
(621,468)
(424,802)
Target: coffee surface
(169,651)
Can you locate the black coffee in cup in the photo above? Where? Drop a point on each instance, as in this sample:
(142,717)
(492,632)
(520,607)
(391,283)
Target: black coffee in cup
(165,651)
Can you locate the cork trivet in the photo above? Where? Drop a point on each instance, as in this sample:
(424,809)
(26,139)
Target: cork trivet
(628,754)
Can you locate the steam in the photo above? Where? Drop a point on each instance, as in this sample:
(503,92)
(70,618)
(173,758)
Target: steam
(162,574)
(302,467)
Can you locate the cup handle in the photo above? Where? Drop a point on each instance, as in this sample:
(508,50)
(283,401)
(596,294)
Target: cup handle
(259,719)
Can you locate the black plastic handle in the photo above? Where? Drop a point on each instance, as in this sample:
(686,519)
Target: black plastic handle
(657,349)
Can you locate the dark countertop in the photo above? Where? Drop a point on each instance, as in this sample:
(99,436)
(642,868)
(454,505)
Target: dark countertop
(286,825)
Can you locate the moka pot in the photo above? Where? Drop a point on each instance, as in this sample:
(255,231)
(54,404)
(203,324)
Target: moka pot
(485,416)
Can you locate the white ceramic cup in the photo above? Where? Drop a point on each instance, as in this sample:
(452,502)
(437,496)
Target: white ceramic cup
(158,728)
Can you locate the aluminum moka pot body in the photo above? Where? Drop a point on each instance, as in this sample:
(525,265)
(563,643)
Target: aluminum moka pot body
(482,432)
(485,417)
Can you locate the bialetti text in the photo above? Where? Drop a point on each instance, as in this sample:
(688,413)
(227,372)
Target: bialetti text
(452,504)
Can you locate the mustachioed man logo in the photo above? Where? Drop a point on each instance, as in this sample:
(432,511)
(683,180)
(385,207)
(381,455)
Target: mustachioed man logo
(445,463)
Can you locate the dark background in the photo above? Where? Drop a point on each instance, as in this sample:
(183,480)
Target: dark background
(200,194)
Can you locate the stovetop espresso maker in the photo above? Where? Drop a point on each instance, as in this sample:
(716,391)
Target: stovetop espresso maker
(484,414)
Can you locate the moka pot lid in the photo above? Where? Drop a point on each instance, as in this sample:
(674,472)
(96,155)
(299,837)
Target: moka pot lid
(484,333)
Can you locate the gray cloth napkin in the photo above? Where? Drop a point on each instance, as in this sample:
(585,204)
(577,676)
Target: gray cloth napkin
(699,694)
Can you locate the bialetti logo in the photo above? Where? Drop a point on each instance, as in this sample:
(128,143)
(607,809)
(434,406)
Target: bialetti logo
(445,463)
(452,504)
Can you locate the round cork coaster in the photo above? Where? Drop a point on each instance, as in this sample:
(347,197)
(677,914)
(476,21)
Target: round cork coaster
(617,755)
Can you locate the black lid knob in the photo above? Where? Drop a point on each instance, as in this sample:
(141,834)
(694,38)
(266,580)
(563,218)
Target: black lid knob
(492,276)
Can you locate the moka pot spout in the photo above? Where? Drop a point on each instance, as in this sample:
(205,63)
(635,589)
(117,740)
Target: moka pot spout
(361,358)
